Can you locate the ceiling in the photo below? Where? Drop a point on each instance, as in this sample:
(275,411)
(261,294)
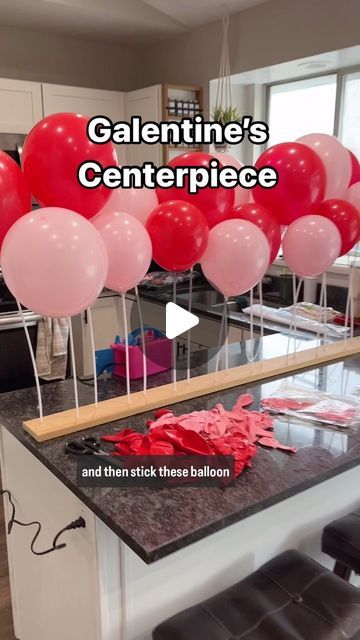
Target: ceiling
(122,21)
(322,63)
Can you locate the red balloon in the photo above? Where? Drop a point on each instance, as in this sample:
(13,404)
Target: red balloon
(265,220)
(302,181)
(214,203)
(15,197)
(52,154)
(355,165)
(179,234)
(345,216)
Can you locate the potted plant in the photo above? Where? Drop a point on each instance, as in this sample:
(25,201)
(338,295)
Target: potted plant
(224,115)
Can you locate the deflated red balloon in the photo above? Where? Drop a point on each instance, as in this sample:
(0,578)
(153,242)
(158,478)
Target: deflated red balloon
(345,216)
(355,169)
(265,220)
(52,154)
(301,181)
(179,235)
(214,203)
(15,197)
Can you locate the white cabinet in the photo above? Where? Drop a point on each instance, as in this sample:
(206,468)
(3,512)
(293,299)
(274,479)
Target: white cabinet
(56,595)
(20,105)
(146,103)
(89,102)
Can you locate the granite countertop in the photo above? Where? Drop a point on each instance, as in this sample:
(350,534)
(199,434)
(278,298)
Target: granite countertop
(157,522)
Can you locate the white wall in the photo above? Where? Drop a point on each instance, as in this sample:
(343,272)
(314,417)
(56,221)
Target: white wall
(267,34)
(46,57)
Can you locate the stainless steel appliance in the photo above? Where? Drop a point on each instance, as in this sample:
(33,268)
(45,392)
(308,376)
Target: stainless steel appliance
(12,143)
(16,371)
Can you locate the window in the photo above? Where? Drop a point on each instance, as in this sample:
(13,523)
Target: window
(350,113)
(302,106)
(299,107)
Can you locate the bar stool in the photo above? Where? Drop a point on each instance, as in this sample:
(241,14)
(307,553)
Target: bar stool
(289,597)
(341,541)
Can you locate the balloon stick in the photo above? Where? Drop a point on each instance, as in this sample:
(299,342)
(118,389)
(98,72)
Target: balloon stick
(321,302)
(127,361)
(73,367)
(226,333)
(352,307)
(142,339)
(93,353)
(220,337)
(253,356)
(32,356)
(174,339)
(348,301)
(252,322)
(325,306)
(293,319)
(293,324)
(189,332)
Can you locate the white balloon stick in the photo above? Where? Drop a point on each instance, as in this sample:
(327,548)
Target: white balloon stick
(226,333)
(174,339)
(222,324)
(188,375)
(32,356)
(138,302)
(73,367)
(325,306)
(127,360)
(93,353)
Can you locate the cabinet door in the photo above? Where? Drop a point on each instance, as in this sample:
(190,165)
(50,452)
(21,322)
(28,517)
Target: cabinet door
(20,105)
(55,596)
(146,103)
(90,102)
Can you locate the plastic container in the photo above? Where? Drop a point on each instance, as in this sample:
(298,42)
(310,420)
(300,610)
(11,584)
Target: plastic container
(158,358)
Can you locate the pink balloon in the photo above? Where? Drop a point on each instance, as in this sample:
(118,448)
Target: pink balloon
(54,262)
(336,159)
(128,246)
(352,195)
(311,244)
(136,202)
(237,256)
(242,196)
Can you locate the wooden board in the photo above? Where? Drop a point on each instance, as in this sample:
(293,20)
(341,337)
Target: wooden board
(66,422)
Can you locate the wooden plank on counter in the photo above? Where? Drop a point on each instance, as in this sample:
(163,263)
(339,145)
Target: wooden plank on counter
(66,422)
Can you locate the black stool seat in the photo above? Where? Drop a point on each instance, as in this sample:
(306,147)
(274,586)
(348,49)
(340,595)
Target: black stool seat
(289,598)
(341,541)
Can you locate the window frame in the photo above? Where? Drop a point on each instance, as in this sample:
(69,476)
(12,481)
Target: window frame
(339,107)
(340,91)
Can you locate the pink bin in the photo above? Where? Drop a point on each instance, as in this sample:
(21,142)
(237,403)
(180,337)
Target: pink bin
(158,358)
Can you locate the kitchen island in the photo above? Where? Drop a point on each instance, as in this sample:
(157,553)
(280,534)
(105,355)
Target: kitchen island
(148,553)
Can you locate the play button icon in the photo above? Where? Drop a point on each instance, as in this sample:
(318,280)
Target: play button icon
(178,320)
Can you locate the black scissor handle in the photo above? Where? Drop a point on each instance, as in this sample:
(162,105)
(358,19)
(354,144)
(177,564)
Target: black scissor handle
(77,448)
(91,443)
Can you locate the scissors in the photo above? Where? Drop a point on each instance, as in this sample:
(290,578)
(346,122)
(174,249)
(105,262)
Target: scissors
(85,447)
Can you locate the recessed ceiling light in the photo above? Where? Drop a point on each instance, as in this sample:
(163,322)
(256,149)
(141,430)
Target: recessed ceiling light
(314,65)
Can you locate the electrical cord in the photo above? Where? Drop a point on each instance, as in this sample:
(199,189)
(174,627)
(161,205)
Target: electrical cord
(79,523)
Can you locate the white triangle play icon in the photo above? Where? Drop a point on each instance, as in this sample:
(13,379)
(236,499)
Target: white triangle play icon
(178,320)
